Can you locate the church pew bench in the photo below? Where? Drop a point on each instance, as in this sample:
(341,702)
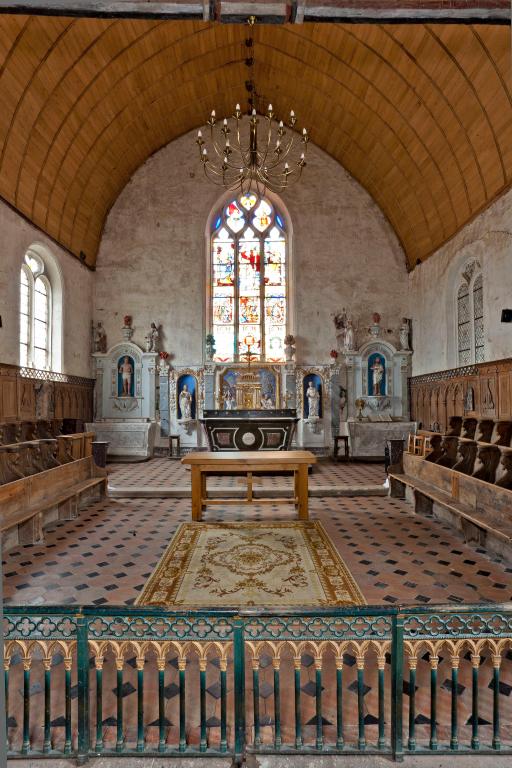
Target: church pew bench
(29,504)
(481,511)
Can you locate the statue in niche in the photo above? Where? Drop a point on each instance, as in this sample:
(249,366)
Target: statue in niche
(126,371)
(313,396)
(152,339)
(469,400)
(99,338)
(504,471)
(185,404)
(377,370)
(229,401)
(267,403)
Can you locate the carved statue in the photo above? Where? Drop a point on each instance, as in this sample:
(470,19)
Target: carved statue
(437,450)
(404,334)
(377,376)
(502,433)
(504,471)
(466,455)
(340,324)
(229,401)
(449,445)
(313,396)
(152,339)
(486,463)
(126,371)
(99,339)
(185,404)
(468,428)
(454,426)
(349,341)
(469,400)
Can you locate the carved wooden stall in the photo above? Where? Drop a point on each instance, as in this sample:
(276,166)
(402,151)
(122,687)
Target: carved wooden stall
(482,391)
(28,394)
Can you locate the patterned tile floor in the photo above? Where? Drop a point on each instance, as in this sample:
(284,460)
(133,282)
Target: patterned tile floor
(106,555)
(170,472)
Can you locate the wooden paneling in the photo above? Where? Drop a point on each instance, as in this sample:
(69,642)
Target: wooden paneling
(27,395)
(421,115)
(436,397)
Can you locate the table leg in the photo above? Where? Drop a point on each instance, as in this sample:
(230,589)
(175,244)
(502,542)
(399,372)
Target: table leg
(196,493)
(296,488)
(204,493)
(249,486)
(303,491)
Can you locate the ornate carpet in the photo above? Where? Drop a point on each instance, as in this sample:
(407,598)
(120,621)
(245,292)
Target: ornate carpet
(281,564)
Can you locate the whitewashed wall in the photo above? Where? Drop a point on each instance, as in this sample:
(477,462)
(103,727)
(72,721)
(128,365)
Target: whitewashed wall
(433,286)
(151,263)
(16,236)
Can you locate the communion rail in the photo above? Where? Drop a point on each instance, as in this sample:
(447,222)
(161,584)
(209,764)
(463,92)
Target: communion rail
(131,681)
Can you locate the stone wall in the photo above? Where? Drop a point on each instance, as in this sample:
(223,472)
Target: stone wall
(76,280)
(152,261)
(433,287)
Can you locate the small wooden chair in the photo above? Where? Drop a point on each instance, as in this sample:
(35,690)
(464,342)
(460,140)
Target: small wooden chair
(336,452)
(174,447)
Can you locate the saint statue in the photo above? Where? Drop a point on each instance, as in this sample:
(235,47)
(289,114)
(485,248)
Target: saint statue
(378,376)
(152,339)
(340,323)
(267,403)
(348,342)
(229,401)
(126,371)
(404,334)
(100,339)
(185,404)
(313,396)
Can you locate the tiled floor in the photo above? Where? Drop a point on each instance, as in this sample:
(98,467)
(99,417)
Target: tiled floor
(170,472)
(110,550)
(106,555)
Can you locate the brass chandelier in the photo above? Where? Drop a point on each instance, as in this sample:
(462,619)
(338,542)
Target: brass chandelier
(251,165)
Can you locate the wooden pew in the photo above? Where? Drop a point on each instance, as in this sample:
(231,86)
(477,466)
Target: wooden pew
(481,511)
(27,505)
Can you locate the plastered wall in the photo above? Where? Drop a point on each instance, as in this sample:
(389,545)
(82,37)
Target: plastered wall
(433,286)
(76,280)
(152,263)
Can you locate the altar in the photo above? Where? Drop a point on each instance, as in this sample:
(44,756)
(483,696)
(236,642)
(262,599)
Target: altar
(250,429)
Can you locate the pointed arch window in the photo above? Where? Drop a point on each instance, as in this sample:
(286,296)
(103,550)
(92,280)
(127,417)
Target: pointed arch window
(470,316)
(248,281)
(35,313)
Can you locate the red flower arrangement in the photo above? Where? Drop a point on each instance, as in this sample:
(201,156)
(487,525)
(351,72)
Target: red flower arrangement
(164,355)
(127,319)
(333,353)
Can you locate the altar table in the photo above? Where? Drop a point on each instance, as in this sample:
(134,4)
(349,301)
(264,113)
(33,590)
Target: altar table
(247,462)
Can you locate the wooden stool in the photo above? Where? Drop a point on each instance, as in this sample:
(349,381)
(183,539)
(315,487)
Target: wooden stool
(336,453)
(174,447)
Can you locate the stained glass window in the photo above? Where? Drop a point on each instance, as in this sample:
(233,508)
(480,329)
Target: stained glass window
(35,313)
(249,281)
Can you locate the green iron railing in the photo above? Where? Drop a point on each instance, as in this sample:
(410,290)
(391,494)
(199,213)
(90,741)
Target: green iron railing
(273,682)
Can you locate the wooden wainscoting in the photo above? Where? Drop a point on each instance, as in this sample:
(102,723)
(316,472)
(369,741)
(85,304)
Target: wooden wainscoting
(435,397)
(27,394)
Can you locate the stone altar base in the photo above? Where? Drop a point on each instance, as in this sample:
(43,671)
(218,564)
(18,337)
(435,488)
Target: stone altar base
(131,439)
(368,438)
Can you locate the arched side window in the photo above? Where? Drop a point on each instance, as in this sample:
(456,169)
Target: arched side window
(470,316)
(35,313)
(248,281)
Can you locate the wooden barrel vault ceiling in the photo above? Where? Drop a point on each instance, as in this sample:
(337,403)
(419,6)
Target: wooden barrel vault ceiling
(420,115)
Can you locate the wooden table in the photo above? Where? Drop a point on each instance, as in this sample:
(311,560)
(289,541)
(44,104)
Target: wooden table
(247,462)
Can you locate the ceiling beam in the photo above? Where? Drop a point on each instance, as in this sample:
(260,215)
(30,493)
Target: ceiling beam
(279,12)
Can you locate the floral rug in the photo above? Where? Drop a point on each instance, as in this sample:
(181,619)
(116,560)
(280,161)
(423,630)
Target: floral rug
(281,564)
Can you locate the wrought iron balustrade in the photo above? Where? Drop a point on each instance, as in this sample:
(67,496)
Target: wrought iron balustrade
(225,682)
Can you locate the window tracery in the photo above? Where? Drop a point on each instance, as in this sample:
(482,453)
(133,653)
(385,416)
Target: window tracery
(470,316)
(35,313)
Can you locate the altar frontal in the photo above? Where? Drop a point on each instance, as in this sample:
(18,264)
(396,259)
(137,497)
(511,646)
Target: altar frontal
(282,564)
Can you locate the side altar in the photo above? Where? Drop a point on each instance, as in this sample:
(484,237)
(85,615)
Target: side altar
(126,397)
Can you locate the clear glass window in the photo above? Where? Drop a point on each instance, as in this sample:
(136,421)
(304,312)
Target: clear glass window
(35,314)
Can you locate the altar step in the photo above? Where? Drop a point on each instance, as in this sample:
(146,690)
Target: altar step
(182,492)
